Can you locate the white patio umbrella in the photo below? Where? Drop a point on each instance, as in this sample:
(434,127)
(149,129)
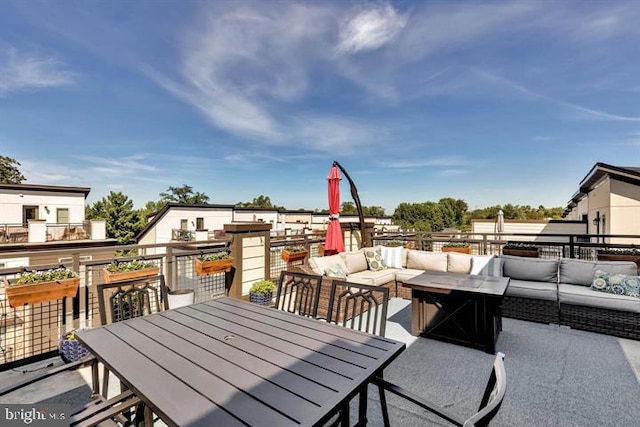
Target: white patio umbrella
(500,223)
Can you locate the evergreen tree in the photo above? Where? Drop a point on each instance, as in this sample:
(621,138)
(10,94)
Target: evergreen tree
(122,221)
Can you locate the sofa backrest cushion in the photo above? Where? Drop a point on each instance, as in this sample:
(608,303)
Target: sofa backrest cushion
(355,261)
(493,268)
(478,262)
(321,263)
(393,256)
(458,263)
(532,269)
(422,260)
(581,272)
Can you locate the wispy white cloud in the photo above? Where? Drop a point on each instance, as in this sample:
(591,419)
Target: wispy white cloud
(370,29)
(21,71)
(437,162)
(584,112)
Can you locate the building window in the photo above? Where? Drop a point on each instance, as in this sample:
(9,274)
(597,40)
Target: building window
(29,212)
(199,223)
(62,216)
(184,224)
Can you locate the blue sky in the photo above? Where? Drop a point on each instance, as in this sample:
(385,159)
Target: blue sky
(489,102)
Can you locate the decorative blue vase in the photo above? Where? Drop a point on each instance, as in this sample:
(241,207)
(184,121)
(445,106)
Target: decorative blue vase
(261,299)
(71,349)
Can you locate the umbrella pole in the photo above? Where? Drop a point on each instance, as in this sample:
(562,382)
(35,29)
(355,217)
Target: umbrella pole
(366,239)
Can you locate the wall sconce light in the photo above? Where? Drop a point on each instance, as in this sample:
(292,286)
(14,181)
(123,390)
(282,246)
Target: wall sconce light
(596,220)
(46,208)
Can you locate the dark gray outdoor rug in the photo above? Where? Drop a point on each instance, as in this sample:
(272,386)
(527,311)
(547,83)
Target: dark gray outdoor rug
(556,376)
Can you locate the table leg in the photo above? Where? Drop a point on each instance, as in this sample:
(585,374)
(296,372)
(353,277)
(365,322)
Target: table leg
(417,315)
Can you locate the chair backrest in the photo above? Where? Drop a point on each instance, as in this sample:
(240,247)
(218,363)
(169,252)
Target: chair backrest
(493,395)
(132,298)
(298,293)
(358,306)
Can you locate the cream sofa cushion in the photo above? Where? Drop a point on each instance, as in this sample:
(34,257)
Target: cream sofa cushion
(355,261)
(422,260)
(458,263)
(374,278)
(321,263)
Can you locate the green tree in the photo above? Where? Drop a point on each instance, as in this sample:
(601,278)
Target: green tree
(9,172)
(183,195)
(377,211)
(150,208)
(122,221)
(348,208)
(261,201)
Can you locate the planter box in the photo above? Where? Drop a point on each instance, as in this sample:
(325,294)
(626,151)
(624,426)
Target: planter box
(293,256)
(33,293)
(210,267)
(619,257)
(121,276)
(467,250)
(530,253)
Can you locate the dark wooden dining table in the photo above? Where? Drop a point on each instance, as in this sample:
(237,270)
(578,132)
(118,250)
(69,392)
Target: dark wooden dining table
(227,362)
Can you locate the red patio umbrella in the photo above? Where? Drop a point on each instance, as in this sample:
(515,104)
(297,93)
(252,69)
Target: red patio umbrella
(333,242)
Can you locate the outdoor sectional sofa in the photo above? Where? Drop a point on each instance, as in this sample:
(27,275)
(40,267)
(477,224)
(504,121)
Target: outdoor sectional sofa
(540,290)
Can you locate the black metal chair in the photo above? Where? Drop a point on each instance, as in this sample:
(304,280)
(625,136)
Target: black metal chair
(298,293)
(358,306)
(361,307)
(99,411)
(491,400)
(124,300)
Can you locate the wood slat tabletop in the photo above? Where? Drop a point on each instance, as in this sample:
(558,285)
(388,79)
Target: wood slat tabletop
(227,362)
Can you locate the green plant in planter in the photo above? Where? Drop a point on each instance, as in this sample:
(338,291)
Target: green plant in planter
(464,244)
(393,243)
(117,267)
(295,249)
(520,246)
(44,276)
(262,292)
(216,256)
(620,251)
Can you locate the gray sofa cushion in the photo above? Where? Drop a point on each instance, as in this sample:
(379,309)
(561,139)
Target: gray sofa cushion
(583,296)
(531,269)
(530,289)
(580,272)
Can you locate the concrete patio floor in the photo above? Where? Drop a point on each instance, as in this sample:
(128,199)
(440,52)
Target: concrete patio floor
(74,387)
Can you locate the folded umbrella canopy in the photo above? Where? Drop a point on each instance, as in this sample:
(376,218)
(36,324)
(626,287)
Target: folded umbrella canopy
(333,242)
(500,223)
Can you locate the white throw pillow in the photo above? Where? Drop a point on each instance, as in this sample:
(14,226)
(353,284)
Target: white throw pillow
(458,263)
(478,262)
(392,256)
(422,260)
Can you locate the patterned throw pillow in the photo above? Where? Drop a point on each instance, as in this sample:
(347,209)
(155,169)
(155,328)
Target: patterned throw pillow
(374,260)
(335,270)
(619,284)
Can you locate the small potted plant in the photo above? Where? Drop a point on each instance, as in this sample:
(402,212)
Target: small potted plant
(120,271)
(620,254)
(262,292)
(219,262)
(70,349)
(294,253)
(521,249)
(32,287)
(460,247)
